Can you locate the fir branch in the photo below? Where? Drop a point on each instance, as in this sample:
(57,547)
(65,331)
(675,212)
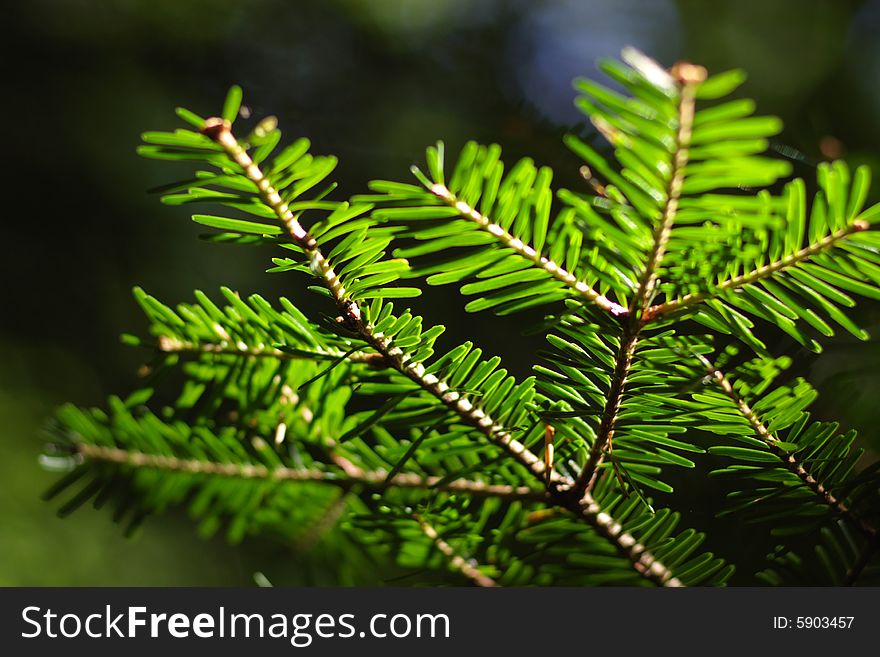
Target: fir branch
(648,230)
(526,251)
(586,507)
(789,460)
(456,561)
(643,561)
(376,480)
(688,77)
(220,131)
(826,243)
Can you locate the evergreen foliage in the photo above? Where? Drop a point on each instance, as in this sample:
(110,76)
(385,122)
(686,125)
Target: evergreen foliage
(357,433)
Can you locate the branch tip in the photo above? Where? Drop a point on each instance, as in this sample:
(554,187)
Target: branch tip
(686,73)
(215,126)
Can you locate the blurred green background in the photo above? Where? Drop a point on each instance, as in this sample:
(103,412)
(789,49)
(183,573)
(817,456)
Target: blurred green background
(372,81)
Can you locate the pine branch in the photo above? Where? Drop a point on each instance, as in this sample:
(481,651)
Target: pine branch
(688,78)
(456,561)
(767,271)
(790,462)
(643,561)
(376,480)
(526,251)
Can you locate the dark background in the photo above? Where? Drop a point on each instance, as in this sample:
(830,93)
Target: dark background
(373,82)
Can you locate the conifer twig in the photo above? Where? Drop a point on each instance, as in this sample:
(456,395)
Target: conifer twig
(372,479)
(688,77)
(790,462)
(526,251)
(766,271)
